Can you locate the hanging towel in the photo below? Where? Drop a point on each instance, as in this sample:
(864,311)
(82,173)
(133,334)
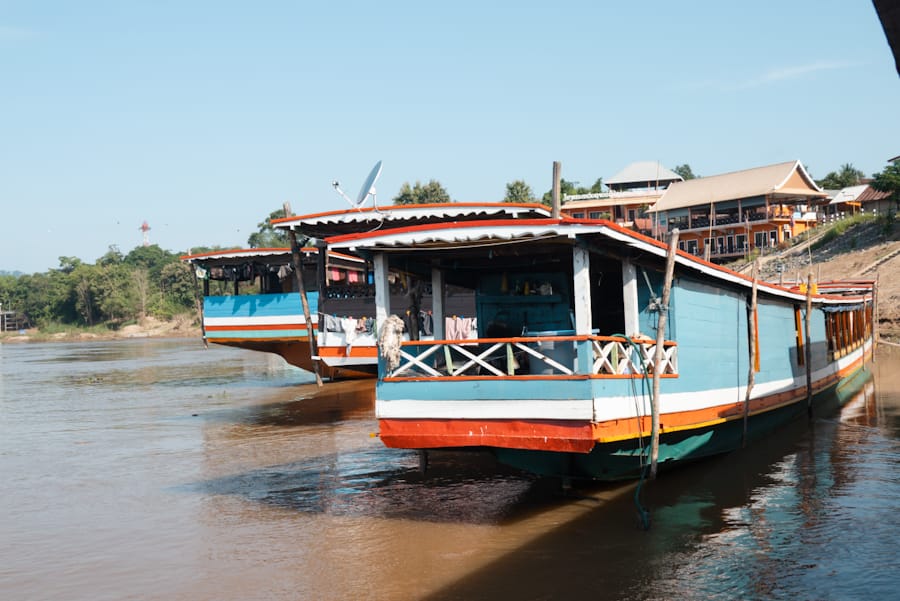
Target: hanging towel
(348,324)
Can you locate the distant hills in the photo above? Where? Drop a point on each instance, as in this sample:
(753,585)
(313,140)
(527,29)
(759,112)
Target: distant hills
(12,273)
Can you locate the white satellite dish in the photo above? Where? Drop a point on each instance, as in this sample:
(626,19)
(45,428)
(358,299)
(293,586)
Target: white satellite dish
(368,188)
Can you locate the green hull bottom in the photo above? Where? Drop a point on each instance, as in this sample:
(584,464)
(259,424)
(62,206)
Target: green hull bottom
(626,459)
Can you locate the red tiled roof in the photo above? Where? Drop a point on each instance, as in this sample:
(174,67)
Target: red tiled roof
(870,194)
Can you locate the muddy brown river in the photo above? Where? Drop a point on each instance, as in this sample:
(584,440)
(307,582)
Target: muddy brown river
(157,469)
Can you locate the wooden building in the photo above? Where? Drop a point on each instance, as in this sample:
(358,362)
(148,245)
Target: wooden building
(723,217)
(631,192)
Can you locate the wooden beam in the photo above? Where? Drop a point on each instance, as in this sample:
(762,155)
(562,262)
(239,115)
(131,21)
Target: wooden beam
(660,353)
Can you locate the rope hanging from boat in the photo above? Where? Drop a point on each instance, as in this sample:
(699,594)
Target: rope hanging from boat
(646,392)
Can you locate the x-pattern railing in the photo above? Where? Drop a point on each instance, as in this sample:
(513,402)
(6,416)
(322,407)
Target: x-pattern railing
(618,356)
(612,355)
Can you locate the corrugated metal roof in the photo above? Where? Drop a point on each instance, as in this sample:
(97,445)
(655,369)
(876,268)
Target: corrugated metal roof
(333,223)
(465,236)
(275,256)
(642,172)
(848,194)
(759,181)
(870,194)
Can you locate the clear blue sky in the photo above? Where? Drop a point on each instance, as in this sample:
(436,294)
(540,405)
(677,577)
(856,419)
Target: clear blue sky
(203,117)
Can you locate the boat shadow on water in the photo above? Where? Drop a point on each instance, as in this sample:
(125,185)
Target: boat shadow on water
(719,526)
(472,487)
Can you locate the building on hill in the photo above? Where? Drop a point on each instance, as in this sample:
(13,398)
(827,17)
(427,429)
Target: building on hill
(843,202)
(631,192)
(723,217)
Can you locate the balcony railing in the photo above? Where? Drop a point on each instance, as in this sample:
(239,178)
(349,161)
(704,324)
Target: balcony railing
(610,356)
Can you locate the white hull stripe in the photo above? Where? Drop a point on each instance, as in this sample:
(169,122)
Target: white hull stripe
(275,320)
(597,410)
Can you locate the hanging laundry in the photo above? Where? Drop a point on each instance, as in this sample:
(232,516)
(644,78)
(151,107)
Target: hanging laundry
(332,323)
(348,325)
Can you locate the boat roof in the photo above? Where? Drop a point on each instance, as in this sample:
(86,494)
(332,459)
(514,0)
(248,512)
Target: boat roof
(334,223)
(487,236)
(272,256)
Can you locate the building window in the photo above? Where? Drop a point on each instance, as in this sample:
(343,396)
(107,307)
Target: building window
(594,215)
(578,215)
(631,214)
(759,239)
(692,247)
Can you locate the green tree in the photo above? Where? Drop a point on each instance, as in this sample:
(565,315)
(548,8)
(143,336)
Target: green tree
(685,172)
(888,180)
(151,258)
(519,191)
(113,256)
(267,236)
(114,294)
(430,193)
(567,188)
(847,175)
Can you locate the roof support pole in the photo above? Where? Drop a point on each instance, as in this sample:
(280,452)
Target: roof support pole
(581,268)
(437,302)
(630,298)
(382,290)
(658,355)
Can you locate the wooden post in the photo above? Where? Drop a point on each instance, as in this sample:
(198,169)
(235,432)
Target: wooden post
(809,393)
(875,315)
(751,327)
(199,297)
(555,209)
(658,356)
(301,287)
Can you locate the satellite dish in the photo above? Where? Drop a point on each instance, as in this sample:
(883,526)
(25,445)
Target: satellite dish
(368,188)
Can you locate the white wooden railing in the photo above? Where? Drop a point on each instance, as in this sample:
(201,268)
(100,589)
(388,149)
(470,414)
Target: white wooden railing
(612,356)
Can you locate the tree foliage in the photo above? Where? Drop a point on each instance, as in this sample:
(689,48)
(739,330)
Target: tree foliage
(118,288)
(267,236)
(567,188)
(430,193)
(888,180)
(847,175)
(519,191)
(685,172)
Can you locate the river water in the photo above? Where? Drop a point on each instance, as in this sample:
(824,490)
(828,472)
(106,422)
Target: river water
(157,469)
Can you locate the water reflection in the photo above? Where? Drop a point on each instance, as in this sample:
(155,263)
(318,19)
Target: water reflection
(240,480)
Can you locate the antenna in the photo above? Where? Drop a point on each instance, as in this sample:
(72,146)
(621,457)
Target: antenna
(145,227)
(368,188)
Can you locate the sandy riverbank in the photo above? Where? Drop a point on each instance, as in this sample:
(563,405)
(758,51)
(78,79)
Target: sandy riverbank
(182,326)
